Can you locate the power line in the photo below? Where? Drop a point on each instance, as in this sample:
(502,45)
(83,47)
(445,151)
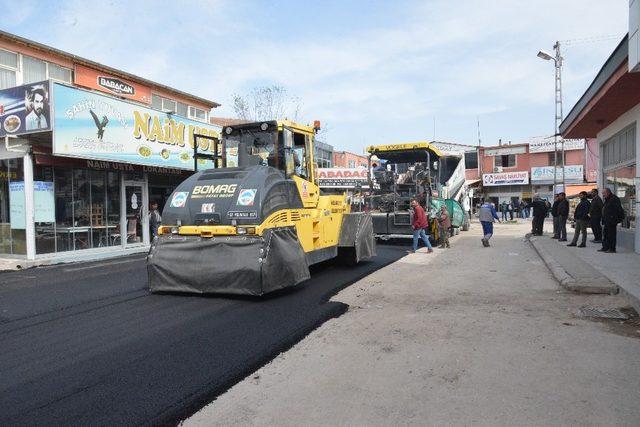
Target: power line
(592,39)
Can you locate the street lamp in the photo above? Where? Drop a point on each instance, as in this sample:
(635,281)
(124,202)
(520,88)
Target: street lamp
(557,59)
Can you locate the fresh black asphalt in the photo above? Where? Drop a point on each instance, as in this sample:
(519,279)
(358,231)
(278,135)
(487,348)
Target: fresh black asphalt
(87,344)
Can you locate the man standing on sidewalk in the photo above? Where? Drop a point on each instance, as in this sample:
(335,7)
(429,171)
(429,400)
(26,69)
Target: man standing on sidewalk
(419,224)
(581,215)
(563,214)
(595,212)
(486,216)
(612,215)
(554,215)
(539,213)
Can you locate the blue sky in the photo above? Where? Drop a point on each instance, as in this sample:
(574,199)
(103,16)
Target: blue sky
(373,72)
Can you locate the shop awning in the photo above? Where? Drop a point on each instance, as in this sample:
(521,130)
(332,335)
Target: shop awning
(471,182)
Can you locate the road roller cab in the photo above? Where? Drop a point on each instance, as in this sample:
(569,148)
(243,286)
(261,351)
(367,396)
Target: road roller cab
(257,221)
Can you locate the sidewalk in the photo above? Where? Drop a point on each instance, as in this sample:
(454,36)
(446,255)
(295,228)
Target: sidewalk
(464,336)
(621,268)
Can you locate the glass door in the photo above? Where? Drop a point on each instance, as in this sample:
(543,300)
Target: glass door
(134,214)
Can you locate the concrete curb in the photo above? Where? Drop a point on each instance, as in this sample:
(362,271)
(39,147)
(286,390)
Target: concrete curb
(565,279)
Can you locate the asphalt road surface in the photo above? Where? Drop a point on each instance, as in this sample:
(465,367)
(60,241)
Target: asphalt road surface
(88,344)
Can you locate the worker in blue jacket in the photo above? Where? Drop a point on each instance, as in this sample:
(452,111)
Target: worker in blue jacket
(487,215)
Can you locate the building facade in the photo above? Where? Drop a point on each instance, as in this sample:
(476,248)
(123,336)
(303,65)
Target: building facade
(345,159)
(84,149)
(609,111)
(514,172)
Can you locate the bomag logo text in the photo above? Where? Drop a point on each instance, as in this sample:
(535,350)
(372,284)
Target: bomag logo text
(220,190)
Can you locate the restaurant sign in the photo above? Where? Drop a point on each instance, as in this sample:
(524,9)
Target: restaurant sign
(545,173)
(97,127)
(505,178)
(25,109)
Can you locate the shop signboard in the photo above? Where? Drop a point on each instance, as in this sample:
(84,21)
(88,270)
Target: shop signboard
(545,173)
(343,178)
(544,145)
(104,82)
(97,127)
(25,109)
(505,178)
(505,151)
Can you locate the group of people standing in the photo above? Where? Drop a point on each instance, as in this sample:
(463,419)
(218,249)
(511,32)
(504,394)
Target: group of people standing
(591,211)
(420,226)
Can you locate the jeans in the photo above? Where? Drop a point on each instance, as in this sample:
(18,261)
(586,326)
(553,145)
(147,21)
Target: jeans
(581,227)
(504,215)
(562,227)
(420,234)
(487,229)
(555,226)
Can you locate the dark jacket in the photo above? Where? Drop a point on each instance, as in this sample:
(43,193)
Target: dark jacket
(582,210)
(596,208)
(419,218)
(612,212)
(539,208)
(563,207)
(554,208)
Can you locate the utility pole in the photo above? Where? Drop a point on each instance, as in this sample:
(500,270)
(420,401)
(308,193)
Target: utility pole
(557,59)
(559,116)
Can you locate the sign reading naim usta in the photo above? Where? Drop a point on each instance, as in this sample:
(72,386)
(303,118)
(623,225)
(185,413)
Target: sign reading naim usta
(98,127)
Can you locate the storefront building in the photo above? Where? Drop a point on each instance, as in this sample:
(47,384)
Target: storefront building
(345,159)
(609,110)
(514,172)
(84,150)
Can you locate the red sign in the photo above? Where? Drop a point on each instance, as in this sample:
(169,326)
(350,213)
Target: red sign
(93,79)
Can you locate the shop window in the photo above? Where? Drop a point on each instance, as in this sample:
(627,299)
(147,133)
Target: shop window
(620,181)
(86,209)
(552,158)
(12,208)
(8,69)
(33,70)
(506,161)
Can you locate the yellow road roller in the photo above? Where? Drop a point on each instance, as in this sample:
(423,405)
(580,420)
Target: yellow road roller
(256,221)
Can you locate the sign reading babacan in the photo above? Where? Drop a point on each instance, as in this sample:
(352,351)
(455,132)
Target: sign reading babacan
(343,178)
(25,109)
(97,127)
(544,145)
(545,173)
(505,178)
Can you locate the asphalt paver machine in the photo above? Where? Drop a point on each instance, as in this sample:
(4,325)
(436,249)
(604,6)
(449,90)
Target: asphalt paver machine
(256,221)
(401,172)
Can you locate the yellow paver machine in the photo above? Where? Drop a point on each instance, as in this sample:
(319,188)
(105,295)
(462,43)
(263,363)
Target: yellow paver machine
(257,221)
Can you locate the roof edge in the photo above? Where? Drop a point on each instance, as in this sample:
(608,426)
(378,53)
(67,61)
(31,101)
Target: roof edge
(611,65)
